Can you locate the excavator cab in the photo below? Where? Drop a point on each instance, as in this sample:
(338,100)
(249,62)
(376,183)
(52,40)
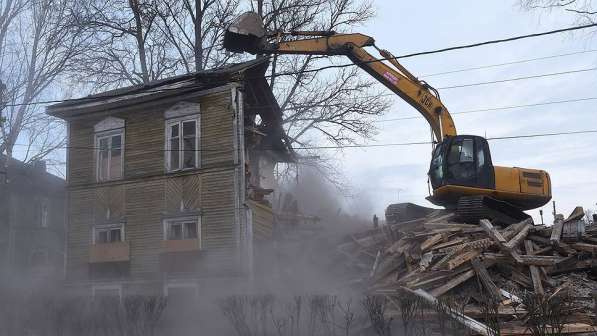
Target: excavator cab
(462,160)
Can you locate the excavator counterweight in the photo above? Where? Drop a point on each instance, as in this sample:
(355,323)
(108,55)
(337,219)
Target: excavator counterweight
(461,171)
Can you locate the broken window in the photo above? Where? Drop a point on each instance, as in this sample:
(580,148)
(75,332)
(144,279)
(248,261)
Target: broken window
(178,229)
(109,156)
(182,144)
(110,234)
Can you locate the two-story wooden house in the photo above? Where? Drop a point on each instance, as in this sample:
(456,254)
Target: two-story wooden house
(165,180)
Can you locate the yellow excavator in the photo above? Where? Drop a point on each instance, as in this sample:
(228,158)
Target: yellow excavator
(461,172)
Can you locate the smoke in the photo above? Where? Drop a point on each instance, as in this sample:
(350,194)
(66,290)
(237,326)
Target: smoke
(300,263)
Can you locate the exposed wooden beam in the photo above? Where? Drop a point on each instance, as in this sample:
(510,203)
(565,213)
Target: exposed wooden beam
(535,274)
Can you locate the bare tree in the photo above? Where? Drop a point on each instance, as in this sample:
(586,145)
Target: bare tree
(337,107)
(585,10)
(195,30)
(38,42)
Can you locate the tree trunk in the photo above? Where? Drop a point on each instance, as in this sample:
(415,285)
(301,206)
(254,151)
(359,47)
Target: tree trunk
(134,4)
(198,36)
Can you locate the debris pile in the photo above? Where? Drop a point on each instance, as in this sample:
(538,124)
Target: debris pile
(518,269)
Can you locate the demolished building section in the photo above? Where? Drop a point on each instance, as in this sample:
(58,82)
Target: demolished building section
(168,182)
(509,280)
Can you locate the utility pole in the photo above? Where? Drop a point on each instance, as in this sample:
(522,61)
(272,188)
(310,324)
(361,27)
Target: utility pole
(554,211)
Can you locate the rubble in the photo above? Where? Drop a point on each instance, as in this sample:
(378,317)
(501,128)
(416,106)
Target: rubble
(518,270)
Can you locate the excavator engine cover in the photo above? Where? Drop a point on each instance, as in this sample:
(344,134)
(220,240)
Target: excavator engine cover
(245,34)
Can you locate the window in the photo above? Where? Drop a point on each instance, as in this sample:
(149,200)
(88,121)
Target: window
(461,151)
(108,234)
(109,156)
(178,229)
(43,213)
(182,142)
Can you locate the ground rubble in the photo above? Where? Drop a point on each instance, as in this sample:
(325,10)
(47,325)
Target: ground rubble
(517,279)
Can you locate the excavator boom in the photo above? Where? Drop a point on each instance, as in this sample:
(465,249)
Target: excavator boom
(247,34)
(461,171)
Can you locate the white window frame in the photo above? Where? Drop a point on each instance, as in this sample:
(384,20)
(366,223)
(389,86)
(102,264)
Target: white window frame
(192,285)
(109,134)
(167,222)
(43,212)
(107,227)
(95,288)
(168,151)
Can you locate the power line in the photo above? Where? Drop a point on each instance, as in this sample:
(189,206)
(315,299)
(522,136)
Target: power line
(510,107)
(516,79)
(508,63)
(466,46)
(538,135)
(128,148)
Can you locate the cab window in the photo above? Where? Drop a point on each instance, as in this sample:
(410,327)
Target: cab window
(461,151)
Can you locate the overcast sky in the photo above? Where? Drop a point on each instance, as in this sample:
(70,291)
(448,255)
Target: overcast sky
(390,174)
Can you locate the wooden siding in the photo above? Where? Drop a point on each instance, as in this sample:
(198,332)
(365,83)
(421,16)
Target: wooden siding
(79,232)
(109,205)
(81,161)
(148,193)
(263,221)
(217,129)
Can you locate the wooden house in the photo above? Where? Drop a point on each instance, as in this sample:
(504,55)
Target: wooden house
(32,224)
(168,182)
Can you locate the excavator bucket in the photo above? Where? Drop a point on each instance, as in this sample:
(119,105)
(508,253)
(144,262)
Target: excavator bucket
(245,34)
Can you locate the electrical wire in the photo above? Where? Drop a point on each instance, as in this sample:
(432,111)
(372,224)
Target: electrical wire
(481,67)
(516,79)
(429,52)
(524,136)
(510,107)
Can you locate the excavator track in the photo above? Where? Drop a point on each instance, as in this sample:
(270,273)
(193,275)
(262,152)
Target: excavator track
(471,209)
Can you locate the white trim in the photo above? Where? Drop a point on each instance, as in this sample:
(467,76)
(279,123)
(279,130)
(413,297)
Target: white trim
(109,134)
(117,287)
(183,109)
(181,284)
(168,123)
(194,218)
(107,124)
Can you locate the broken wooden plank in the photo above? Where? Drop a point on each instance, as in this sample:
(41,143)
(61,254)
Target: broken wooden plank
(513,229)
(439,291)
(486,280)
(480,244)
(448,243)
(584,247)
(535,260)
(429,242)
(564,249)
(462,258)
(535,275)
(556,231)
(467,321)
(499,239)
(374,268)
(520,236)
(573,328)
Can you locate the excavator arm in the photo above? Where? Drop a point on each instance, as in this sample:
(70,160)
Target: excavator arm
(248,35)
(461,171)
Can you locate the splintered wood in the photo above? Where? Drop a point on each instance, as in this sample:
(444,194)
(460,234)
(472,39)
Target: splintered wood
(435,256)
